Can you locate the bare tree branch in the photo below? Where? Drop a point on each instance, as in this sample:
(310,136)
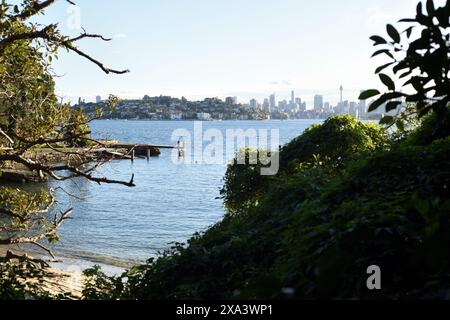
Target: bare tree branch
(11,141)
(34,9)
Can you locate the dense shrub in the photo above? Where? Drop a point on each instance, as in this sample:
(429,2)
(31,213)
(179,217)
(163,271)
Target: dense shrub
(429,130)
(339,139)
(392,210)
(330,145)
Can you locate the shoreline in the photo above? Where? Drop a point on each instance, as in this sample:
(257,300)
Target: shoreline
(65,274)
(59,281)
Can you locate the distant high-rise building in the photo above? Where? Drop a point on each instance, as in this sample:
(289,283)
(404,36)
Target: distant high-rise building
(343,107)
(362,108)
(341,89)
(353,109)
(303,106)
(273,102)
(231,100)
(292,98)
(327,107)
(266,105)
(318,103)
(98,99)
(282,105)
(80,101)
(253,104)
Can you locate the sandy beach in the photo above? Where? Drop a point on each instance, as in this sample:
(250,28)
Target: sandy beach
(60,280)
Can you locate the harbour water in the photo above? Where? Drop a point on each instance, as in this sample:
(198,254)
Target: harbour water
(118,226)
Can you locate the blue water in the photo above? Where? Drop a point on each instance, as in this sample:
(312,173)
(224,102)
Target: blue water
(171,202)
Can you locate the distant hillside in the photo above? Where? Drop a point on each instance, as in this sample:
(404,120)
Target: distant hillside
(168,108)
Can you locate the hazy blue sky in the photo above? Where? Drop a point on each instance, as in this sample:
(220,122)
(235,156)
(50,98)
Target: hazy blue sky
(244,48)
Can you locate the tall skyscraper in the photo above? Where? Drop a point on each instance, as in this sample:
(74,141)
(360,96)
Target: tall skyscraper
(282,105)
(266,105)
(253,104)
(292,98)
(98,99)
(353,110)
(273,102)
(362,108)
(318,103)
(341,89)
(303,107)
(231,100)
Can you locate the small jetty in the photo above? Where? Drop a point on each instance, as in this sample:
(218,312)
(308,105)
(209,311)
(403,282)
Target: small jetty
(140,150)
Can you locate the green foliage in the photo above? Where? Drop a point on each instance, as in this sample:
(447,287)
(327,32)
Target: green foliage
(429,130)
(14,285)
(360,220)
(77,128)
(98,286)
(422,64)
(23,279)
(243,182)
(339,139)
(28,104)
(329,145)
(31,118)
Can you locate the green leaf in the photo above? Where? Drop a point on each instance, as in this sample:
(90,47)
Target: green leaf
(387,120)
(430,7)
(400,125)
(385,97)
(407,73)
(387,81)
(392,105)
(424,111)
(409,31)
(368,94)
(408,20)
(393,33)
(377,103)
(419,9)
(381,68)
(385,51)
(378,40)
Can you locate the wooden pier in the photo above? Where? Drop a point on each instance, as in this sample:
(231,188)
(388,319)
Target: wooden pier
(144,150)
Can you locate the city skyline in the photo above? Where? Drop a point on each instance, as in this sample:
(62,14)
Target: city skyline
(213,108)
(285,95)
(218,49)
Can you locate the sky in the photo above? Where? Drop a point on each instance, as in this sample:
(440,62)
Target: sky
(211,48)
